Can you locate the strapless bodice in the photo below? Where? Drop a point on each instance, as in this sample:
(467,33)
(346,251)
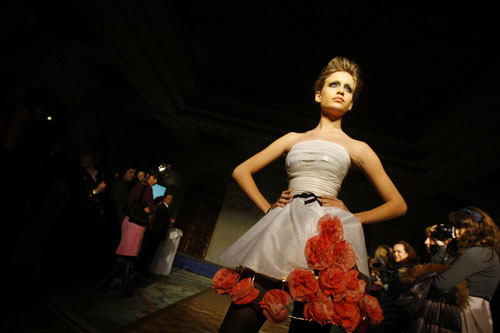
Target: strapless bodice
(275,245)
(317,166)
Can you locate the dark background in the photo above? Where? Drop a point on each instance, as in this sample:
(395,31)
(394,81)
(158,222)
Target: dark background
(160,81)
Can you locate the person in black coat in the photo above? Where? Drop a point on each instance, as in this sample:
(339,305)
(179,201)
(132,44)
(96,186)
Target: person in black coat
(162,223)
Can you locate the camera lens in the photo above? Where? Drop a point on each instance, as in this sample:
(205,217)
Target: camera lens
(444,232)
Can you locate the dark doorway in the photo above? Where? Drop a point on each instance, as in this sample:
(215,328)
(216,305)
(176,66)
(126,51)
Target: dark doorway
(198,214)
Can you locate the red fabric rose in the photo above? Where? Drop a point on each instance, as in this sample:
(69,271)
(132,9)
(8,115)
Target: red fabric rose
(302,284)
(344,255)
(370,307)
(330,228)
(347,314)
(274,305)
(319,309)
(319,253)
(332,281)
(244,292)
(224,280)
(355,288)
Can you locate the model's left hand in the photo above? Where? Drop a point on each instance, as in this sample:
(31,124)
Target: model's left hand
(283,200)
(331,201)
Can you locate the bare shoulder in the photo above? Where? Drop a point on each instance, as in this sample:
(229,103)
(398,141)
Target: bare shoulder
(361,153)
(291,138)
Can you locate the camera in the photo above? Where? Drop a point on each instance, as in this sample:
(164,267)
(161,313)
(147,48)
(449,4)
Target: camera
(444,232)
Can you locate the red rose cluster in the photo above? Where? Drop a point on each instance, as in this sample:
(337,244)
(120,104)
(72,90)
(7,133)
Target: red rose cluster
(274,303)
(336,296)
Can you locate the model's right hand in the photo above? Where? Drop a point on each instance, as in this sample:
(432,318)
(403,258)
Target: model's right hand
(332,201)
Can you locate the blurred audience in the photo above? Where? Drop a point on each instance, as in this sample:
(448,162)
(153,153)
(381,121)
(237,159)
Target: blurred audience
(381,267)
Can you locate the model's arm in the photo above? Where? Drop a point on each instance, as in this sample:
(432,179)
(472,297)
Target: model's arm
(394,205)
(243,172)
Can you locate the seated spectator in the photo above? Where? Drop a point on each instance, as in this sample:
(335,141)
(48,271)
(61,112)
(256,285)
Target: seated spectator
(405,257)
(381,266)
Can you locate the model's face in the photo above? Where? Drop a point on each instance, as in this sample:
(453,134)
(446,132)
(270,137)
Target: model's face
(399,253)
(337,93)
(129,175)
(168,199)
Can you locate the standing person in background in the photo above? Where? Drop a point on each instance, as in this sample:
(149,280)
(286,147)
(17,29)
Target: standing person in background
(141,176)
(89,216)
(120,190)
(132,234)
(163,221)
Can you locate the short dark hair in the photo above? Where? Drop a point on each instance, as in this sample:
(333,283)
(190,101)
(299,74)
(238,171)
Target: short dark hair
(153,172)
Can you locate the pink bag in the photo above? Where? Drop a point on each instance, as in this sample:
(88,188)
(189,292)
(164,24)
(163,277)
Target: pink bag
(131,241)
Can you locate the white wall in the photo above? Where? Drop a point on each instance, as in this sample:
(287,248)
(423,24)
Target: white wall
(238,213)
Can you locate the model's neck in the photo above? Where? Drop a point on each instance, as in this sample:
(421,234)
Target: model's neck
(326,124)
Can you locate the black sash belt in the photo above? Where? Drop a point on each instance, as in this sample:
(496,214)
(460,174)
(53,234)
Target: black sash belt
(313,197)
(264,280)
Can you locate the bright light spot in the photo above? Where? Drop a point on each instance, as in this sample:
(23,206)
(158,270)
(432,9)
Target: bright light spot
(49,118)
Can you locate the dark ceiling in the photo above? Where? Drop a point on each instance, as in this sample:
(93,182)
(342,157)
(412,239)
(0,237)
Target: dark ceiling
(220,72)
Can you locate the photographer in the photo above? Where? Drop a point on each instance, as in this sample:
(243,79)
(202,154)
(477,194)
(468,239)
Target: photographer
(455,296)
(477,242)
(436,243)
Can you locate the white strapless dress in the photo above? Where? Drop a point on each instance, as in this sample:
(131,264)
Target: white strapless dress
(275,245)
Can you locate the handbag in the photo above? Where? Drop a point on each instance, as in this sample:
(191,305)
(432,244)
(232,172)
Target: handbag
(136,213)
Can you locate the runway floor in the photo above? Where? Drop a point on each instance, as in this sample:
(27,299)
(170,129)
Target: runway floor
(180,302)
(202,312)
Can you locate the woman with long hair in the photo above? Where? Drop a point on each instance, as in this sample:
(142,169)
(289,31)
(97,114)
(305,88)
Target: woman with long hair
(476,260)
(404,254)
